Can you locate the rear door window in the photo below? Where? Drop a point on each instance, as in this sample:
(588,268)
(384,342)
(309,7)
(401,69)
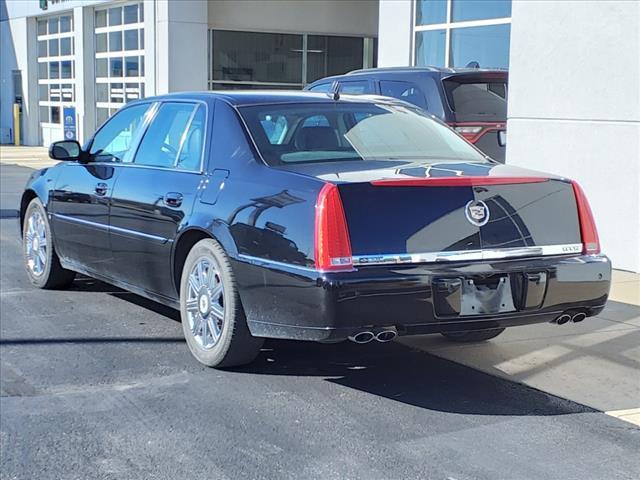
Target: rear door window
(478,101)
(406,91)
(358,87)
(173,139)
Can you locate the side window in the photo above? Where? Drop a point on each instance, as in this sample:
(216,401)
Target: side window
(114,139)
(322,88)
(191,153)
(163,140)
(355,87)
(406,91)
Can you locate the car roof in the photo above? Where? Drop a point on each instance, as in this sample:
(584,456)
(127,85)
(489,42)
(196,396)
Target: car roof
(238,98)
(413,71)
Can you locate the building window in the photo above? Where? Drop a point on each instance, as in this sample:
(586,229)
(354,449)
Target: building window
(119,67)
(462,33)
(56,67)
(281,60)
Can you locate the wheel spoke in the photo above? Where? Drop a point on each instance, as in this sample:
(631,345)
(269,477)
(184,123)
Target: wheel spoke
(195,328)
(205,332)
(42,256)
(192,306)
(216,293)
(215,329)
(217,311)
(200,274)
(193,284)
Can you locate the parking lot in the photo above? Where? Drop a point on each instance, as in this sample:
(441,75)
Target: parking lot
(96,383)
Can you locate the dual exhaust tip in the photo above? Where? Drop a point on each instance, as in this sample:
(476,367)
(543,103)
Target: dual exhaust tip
(382,335)
(575,318)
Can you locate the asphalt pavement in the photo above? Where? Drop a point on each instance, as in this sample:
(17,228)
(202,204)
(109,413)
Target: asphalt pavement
(98,383)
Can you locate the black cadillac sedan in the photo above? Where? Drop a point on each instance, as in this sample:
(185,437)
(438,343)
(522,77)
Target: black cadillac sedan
(311,217)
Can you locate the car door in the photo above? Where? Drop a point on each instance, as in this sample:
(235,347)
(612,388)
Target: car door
(80,200)
(154,196)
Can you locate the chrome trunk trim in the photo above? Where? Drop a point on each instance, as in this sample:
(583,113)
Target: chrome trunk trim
(468,255)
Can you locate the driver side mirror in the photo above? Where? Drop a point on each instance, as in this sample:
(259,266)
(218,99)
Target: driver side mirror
(68,150)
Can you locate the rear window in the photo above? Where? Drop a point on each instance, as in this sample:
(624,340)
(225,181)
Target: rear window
(477,101)
(342,131)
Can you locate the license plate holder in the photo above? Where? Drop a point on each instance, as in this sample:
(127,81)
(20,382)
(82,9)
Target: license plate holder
(486,296)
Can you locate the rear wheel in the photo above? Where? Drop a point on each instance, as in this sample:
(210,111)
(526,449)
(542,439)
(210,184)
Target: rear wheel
(473,336)
(40,259)
(213,320)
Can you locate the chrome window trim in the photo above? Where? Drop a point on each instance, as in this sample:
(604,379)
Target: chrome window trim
(468,255)
(111,228)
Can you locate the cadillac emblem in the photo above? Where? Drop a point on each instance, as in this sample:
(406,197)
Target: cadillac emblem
(477,212)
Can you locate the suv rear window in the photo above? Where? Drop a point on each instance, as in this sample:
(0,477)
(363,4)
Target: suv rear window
(477,101)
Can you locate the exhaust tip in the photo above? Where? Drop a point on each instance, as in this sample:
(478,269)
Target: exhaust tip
(562,319)
(578,317)
(386,336)
(362,337)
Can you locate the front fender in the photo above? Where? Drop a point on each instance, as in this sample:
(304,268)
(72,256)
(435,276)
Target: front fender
(40,184)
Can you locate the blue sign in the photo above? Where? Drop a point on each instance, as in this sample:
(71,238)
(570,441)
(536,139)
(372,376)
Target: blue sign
(69,123)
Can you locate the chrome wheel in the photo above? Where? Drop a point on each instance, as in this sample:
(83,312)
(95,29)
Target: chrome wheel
(205,303)
(35,244)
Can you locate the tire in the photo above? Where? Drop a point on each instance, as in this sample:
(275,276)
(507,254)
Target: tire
(38,250)
(473,336)
(213,320)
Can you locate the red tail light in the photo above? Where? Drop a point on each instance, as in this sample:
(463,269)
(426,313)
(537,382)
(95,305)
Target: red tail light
(588,231)
(332,244)
(472,131)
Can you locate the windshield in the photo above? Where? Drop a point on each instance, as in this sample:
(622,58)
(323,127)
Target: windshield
(324,132)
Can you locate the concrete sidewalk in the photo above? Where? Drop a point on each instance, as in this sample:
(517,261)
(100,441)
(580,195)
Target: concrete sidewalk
(32,157)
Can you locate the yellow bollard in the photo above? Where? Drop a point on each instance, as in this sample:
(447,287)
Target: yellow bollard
(16,124)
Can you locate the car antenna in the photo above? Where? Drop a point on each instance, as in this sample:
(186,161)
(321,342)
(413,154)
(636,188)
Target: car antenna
(473,64)
(334,91)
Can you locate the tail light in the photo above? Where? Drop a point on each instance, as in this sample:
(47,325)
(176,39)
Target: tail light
(473,131)
(469,132)
(588,231)
(332,244)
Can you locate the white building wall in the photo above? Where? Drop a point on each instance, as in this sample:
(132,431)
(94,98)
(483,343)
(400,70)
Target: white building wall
(395,37)
(574,108)
(180,46)
(349,17)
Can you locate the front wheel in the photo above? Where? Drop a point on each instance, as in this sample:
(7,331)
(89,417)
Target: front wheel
(40,259)
(473,336)
(213,320)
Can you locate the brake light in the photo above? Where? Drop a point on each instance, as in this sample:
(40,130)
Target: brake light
(588,231)
(332,244)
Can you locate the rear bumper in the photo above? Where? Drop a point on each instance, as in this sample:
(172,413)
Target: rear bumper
(283,301)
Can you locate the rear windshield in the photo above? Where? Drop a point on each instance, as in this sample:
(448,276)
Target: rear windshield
(478,101)
(344,131)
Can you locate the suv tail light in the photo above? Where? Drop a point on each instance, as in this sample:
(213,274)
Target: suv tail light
(588,231)
(332,244)
(472,131)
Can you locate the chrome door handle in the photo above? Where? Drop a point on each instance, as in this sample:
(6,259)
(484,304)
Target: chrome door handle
(173,199)
(101,189)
